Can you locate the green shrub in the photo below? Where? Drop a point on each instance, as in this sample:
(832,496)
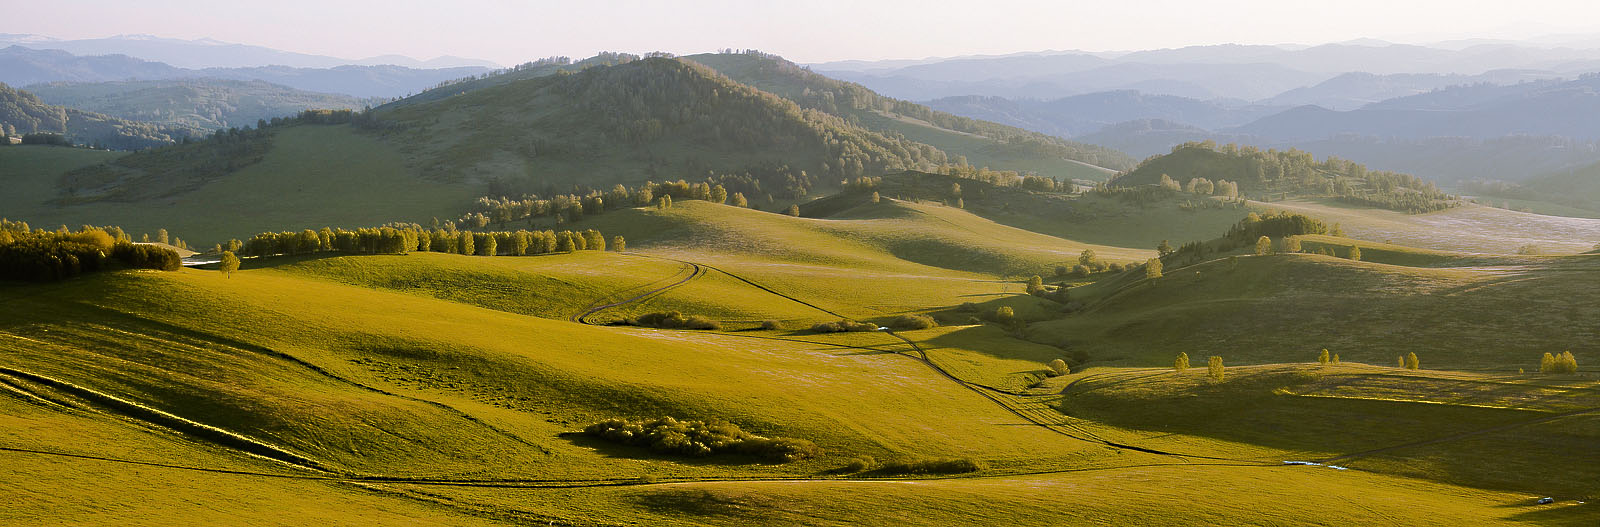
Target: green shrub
(771,325)
(860,464)
(932,466)
(909,322)
(701,438)
(844,325)
(674,320)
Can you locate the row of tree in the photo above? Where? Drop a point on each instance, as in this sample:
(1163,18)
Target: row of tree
(402,239)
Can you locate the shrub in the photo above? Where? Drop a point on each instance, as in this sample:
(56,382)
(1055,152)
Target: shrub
(1181,363)
(1035,286)
(701,439)
(968,307)
(1323,358)
(843,325)
(932,466)
(860,464)
(1005,315)
(909,322)
(771,325)
(1059,367)
(674,320)
(1062,270)
(1214,369)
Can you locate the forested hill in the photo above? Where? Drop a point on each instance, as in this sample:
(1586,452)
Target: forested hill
(22,113)
(198,103)
(647,118)
(998,145)
(1275,173)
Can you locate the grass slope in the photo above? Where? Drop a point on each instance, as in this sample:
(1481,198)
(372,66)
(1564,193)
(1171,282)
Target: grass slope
(1468,228)
(315,176)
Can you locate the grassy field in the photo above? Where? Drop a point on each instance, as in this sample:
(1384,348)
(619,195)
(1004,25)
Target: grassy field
(446,388)
(1469,228)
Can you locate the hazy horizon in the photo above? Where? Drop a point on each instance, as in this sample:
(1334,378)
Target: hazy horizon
(509,33)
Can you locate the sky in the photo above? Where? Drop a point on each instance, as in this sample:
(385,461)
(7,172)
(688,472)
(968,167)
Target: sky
(510,32)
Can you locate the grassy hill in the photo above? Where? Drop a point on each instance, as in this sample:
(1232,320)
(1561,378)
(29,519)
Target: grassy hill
(425,369)
(199,104)
(23,113)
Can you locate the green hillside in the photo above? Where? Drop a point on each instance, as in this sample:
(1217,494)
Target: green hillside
(981,143)
(1272,173)
(23,113)
(199,104)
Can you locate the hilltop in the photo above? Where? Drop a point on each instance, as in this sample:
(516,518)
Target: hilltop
(982,143)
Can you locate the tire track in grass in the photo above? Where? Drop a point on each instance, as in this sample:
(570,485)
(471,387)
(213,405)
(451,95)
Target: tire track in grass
(922,356)
(596,306)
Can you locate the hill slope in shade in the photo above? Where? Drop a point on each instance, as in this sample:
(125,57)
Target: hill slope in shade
(204,104)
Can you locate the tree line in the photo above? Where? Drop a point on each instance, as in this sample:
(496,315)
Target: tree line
(406,238)
(38,255)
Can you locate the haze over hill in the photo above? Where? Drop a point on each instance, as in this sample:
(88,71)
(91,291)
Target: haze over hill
(206,53)
(1220,284)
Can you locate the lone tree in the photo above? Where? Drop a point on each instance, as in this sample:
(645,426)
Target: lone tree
(1323,358)
(1059,367)
(1005,315)
(1181,363)
(618,244)
(1263,246)
(230,263)
(793,210)
(1411,361)
(1355,253)
(1214,369)
(1336,358)
(875,197)
(1152,268)
(1400,361)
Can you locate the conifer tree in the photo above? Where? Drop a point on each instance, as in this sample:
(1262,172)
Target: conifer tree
(1411,361)
(618,244)
(1323,358)
(1336,358)
(1400,361)
(161,236)
(1214,369)
(1181,363)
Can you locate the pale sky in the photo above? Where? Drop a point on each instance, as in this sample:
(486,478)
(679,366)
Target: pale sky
(509,32)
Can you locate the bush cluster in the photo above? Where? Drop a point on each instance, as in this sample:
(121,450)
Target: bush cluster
(843,325)
(674,320)
(932,466)
(909,322)
(44,256)
(701,438)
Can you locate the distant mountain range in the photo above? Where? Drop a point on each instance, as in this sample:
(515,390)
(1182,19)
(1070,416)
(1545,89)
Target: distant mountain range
(208,53)
(22,66)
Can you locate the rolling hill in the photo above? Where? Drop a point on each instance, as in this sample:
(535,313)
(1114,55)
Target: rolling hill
(201,103)
(23,113)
